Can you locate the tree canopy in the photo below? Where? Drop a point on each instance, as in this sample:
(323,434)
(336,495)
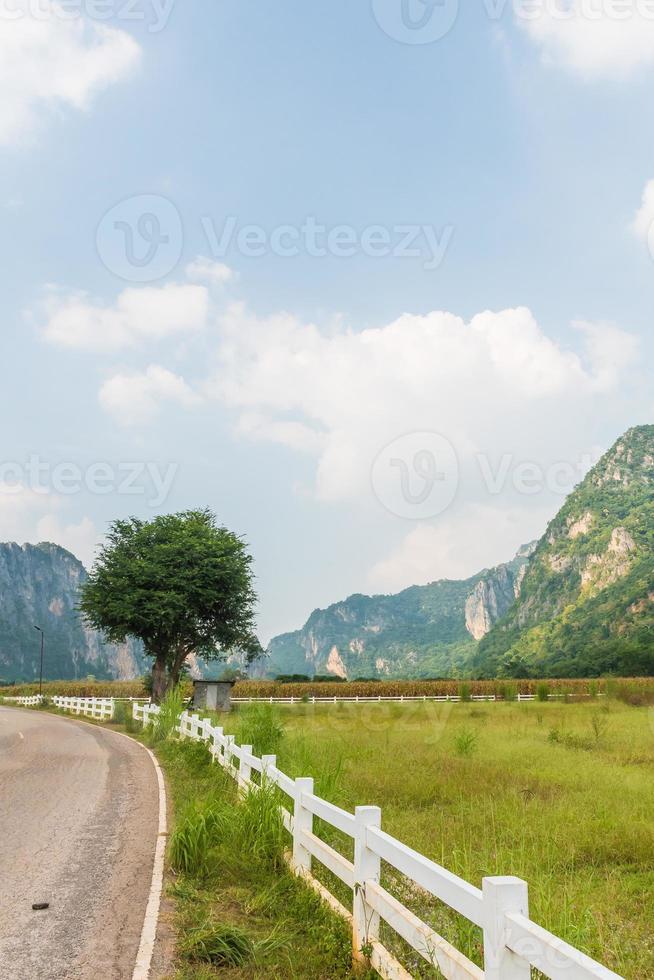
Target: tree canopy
(181,583)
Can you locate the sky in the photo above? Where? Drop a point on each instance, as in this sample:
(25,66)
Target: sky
(372,280)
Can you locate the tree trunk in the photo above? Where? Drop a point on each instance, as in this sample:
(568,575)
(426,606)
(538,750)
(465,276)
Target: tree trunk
(178,663)
(159,679)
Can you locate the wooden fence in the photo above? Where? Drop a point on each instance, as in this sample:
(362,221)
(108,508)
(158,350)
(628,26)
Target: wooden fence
(512,943)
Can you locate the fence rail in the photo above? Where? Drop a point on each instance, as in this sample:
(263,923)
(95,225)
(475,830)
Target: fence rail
(101,708)
(512,943)
(398,699)
(25,701)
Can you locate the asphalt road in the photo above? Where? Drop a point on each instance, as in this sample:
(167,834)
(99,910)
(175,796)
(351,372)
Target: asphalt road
(78,827)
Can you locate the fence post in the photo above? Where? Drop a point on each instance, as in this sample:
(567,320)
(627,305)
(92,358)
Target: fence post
(217,735)
(367,867)
(502,895)
(228,754)
(244,769)
(302,820)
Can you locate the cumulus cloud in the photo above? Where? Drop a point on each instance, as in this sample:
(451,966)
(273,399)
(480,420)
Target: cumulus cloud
(643,225)
(497,384)
(204,269)
(136,399)
(51,61)
(20,505)
(81,539)
(477,536)
(30,514)
(610,351)
(138,317)
(590,38)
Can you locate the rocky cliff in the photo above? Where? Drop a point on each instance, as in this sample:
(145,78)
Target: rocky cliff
(424,631)
(39,585)
(586,605)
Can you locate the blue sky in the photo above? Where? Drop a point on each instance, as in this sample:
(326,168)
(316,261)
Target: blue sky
(367,418)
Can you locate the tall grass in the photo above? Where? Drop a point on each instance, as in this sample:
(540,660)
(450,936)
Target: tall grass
(240,912)
(259,725)
(165,723)
(569,812)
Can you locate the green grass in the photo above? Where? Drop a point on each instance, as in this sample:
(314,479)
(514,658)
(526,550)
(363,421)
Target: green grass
(488,789)
(240,912)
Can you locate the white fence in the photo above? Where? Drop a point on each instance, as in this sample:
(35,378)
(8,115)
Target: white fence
(26,702)
(513,944)
(102,708)
(399,699)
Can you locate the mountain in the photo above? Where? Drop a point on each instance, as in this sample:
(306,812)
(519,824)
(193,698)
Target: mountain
(586,605)
(427,630)
(39,585)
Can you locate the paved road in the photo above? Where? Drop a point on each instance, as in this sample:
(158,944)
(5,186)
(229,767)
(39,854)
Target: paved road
(78,828)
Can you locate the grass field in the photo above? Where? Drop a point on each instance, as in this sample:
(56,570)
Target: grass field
(560,794)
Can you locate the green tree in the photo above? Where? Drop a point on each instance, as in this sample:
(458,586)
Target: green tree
(180,583)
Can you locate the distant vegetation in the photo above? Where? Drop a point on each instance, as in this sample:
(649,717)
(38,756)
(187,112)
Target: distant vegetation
(586,605)
(638,690)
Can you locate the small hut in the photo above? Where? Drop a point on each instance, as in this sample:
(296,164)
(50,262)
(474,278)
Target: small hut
(213,695)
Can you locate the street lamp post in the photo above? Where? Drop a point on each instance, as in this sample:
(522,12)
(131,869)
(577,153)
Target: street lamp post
(41,670)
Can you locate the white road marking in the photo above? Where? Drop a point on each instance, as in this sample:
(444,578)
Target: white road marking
(149,933)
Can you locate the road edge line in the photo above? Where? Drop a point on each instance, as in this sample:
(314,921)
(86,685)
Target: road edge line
(151,920)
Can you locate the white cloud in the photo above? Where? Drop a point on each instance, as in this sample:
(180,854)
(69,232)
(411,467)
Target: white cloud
(477,536)
(497,384)
(643,225)
(609,349)
(81,539)
(28,514)
(20,506)
(136,399)
(139,316)
(204,269)
(51,60)
(595,40)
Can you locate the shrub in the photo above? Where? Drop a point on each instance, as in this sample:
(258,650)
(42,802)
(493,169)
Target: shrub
(260,726)
(599,725)
(165,723)
(465,742)
(219,945)
(193,838)
(465,692)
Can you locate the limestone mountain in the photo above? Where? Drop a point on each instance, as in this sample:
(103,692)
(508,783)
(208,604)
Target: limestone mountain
(39,585)
(586,605)
(427,630)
